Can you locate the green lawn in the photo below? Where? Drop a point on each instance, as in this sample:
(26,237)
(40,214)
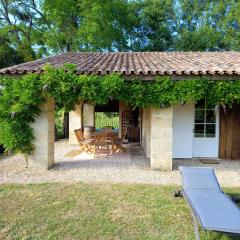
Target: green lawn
(81,211)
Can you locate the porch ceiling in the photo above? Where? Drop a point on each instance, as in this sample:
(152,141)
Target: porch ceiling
(112,106)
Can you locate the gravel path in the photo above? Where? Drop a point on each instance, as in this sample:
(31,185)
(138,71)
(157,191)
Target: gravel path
(119,168)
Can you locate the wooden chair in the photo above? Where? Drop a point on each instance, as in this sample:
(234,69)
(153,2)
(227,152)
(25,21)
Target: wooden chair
(102,144)
(118,143)
(85,145)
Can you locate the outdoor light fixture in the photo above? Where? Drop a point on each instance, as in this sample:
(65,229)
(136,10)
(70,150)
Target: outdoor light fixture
(13,114)
(45,87)
(224,107)
(1,88)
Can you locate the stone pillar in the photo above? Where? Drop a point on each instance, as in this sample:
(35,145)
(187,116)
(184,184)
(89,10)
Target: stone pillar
(89,115)
(75,122)
(161,138)
(146,131)
(43,127)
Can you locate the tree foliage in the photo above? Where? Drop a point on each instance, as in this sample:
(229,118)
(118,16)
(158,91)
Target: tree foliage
(19,105)
(208,25)
(155,25)
(8,55)
(35,28)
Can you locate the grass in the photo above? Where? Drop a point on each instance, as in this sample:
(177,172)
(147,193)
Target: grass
(81,211)
(106,119)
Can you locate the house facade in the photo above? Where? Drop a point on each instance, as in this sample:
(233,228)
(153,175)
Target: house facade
(185,130)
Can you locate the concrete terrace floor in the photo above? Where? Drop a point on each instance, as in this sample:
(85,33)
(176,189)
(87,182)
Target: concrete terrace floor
(129,167)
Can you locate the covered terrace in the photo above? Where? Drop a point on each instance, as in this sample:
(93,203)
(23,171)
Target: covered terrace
(163,132)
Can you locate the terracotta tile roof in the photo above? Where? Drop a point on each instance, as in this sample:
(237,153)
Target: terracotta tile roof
(137,63)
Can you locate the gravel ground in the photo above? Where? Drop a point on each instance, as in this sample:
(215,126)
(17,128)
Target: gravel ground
(130,167)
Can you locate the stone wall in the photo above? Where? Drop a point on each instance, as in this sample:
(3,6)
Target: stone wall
(75,122)
(89,114)
(43,128)
(82,113)
(146,130)
(161,138)
(157,137)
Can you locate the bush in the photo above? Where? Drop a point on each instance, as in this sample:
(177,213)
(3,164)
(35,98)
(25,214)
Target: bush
(106,119)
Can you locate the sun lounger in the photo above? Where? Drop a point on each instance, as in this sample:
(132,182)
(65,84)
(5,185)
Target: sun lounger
(214,210)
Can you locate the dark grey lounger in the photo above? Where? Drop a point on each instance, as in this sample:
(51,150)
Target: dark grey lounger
(214,210)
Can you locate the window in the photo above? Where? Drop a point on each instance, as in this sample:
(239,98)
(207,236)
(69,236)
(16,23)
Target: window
(205,120)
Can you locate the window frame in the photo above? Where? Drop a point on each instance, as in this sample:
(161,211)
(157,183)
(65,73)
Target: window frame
(205,123)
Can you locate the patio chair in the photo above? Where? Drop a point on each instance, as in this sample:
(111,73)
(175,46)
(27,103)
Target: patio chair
(102,144)
(214,210)
(118,143)
(86,145)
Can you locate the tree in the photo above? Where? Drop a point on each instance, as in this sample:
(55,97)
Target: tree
(230,24)
(87,25)
(207,25)
(8,55)
(153,25)
(21,24)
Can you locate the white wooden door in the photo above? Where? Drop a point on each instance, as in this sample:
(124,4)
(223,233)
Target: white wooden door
(206,130)
(183,121)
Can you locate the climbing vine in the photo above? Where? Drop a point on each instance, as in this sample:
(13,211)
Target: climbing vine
(20,97)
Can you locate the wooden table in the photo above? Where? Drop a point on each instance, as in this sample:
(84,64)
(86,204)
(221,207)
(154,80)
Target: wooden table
(115,141)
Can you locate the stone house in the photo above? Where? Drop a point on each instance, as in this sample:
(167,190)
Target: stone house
(181,131)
